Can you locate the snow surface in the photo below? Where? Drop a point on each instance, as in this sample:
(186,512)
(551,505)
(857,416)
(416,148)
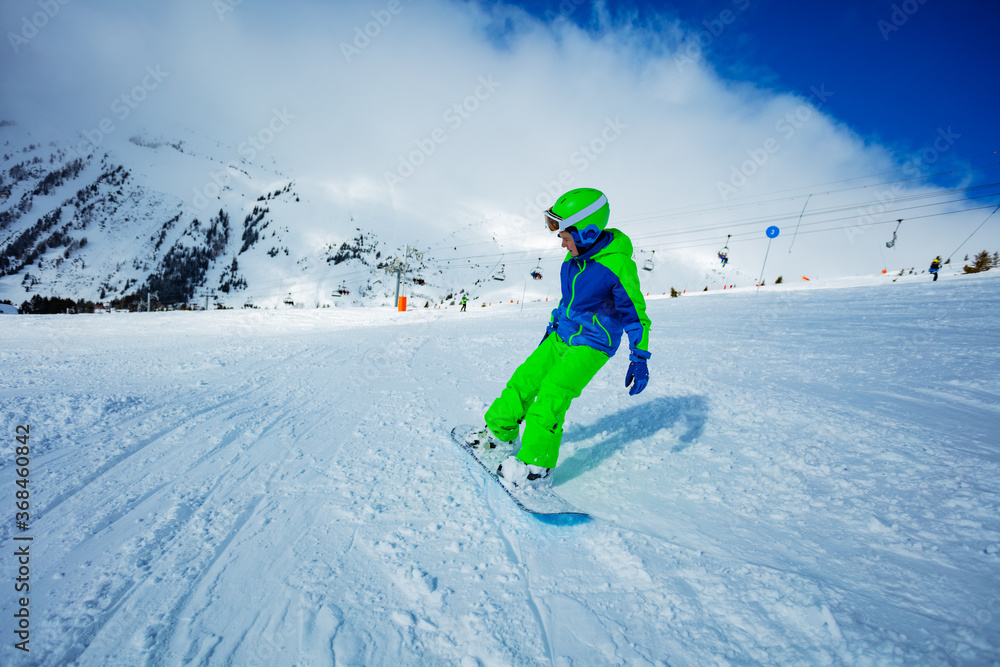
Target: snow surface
(811,477)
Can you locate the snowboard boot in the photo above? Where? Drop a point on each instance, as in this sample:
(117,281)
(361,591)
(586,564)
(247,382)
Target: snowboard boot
(483,438)
(519,474)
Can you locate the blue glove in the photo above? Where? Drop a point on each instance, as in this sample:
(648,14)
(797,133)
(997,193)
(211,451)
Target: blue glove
(638,372)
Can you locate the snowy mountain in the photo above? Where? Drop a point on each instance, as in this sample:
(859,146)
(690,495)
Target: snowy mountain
(811,478)
(112,219)
(184,220)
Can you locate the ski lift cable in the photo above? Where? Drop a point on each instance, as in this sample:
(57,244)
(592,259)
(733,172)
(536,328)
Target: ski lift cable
(742,222)
(973,232)
(730,207)
(701,242)
(752,234)
(777,219)
(747,221)
(795,235)
(706,243)
(710,207)
(832,209)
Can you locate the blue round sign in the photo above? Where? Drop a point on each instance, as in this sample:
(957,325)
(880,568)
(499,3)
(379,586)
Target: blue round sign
(772,232)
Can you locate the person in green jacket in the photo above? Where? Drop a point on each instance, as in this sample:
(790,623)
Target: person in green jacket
(601,300)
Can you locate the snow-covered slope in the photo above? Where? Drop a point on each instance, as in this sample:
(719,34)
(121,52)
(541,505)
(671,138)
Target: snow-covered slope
(811,477)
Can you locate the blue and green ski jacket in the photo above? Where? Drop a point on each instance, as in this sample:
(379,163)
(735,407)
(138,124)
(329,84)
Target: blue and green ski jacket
(601,299)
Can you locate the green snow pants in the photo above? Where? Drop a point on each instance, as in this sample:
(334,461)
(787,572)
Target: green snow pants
(539,393)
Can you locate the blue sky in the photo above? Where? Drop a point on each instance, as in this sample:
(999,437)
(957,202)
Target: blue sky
(899,70)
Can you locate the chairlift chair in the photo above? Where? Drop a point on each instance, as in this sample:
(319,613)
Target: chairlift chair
(648,264)
(499,275)
(724,253)
(536,272)
(890,244)
(288,300)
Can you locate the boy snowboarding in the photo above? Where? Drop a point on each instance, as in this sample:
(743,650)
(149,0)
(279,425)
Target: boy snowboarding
(601,299)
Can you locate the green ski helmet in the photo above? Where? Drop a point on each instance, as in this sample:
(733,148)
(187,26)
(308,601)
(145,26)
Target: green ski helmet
(582,212)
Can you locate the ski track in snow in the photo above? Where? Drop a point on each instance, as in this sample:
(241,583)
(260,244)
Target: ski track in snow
(812,477)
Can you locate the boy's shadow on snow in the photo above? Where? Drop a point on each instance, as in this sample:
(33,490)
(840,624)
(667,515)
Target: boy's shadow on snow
(640,422)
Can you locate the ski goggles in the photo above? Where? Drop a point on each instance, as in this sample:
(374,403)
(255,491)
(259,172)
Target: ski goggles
(552,221)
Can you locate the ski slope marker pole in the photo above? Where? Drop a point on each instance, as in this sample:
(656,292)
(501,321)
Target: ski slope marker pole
(772,233)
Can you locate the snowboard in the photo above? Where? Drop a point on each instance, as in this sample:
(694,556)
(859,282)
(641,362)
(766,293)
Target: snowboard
(540,502)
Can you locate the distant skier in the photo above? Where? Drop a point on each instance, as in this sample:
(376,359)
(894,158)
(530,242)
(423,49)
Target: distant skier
(601,299)
(935,267)
(723,258)
(465,300)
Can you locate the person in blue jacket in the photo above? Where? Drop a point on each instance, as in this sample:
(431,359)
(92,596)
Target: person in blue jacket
(601,301)
(935,267)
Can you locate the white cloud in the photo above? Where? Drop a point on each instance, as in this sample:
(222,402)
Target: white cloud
(477,110)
